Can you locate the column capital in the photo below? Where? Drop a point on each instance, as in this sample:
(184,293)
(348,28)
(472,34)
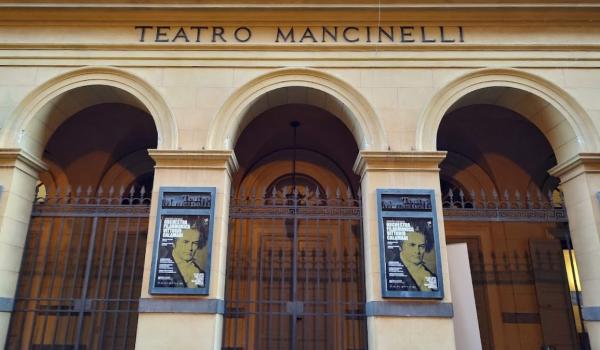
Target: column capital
(576,165)
(195,159)
(416,161)
(23,160)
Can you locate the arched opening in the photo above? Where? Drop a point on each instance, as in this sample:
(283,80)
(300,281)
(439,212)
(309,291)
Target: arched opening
(39,114)
(81,272)
(500,200)
(295,274)
(566,125)
(297,86)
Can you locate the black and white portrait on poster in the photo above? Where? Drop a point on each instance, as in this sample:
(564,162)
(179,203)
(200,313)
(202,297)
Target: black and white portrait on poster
(410,257)
(183,239)
(182,254)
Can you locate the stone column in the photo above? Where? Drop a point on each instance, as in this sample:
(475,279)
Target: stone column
(580,184)
(18,176)
(188,322)
(399,323)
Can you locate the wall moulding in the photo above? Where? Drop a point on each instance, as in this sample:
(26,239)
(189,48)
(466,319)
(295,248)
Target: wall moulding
(195,159)
(576,165)
(87,10)
(398,161)
(23,160)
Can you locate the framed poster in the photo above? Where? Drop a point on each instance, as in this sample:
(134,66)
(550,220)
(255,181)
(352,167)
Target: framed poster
(182,241)
(409,245)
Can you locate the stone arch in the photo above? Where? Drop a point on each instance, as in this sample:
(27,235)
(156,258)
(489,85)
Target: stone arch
(296,85)
(46,107)
(563,122)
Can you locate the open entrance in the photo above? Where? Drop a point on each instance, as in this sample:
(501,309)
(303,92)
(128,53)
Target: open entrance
(500,200)
(81,272)
(295,276)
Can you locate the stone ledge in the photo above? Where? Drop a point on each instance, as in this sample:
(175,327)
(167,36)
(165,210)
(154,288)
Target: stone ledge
(576,165)
(188,306)
(196,159)
(409,309)
(23,160)
(590,313)
(398,161)
(7,304)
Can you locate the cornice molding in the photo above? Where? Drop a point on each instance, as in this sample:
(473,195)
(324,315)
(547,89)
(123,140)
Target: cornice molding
(584,12)
(398,161)
(296,5)
(195,159)
(23,160)
(576,165)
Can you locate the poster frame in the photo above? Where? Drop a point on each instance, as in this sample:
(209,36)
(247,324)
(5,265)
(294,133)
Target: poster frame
(157,234)
(417,214)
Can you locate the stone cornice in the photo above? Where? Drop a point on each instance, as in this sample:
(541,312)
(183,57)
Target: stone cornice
(577,165)
(584,12)
(21,159)
(398,161)
(196,159)
(331,4)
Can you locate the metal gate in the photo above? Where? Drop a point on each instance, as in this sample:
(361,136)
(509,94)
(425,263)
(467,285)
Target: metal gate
(295,276)
(537,269)
(81,272)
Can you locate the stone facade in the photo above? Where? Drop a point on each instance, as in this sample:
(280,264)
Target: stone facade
(391,89)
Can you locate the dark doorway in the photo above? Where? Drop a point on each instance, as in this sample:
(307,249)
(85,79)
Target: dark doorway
(295,276)
(81,273)
(499,199)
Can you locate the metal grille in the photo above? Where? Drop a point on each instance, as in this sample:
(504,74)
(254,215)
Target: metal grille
(510,206)
(295,275)
(81,272)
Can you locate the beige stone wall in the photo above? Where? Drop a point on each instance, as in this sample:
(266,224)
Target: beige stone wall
(397,91)
(18,173)
(195,95)
(400,170)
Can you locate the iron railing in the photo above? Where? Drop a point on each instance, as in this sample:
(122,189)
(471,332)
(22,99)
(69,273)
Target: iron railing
(81,272)
(508,206)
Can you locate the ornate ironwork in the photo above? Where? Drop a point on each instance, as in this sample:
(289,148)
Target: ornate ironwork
(301,203)
(71,203)
(509,206)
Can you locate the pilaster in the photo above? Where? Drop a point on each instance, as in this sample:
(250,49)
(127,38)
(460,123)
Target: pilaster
(169,321)
(580,184)
(18,176)
(405,323)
